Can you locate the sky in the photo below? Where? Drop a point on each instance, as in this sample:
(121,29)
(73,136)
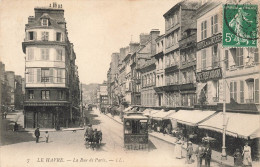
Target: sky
(97,28)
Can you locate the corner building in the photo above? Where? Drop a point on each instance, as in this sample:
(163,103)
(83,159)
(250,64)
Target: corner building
(51,77)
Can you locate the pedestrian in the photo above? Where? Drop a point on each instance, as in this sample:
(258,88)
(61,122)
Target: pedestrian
(247,160)
(5,114)
(189,152)
(208,152)
(37,134)
(238,159)
(15,126)
(46,136)
(200,152)
(178,149)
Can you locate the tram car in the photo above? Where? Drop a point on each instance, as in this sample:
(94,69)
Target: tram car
(135,131)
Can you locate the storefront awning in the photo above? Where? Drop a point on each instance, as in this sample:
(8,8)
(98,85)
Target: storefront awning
(162,114)
(238,124)
(150,112)
(191,117)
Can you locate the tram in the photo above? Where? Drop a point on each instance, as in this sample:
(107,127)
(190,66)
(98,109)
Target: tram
(135,131)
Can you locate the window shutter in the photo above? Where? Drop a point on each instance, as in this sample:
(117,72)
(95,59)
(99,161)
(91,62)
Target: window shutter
(256,90)
(55,36)
(42,35)
(241,91)
(231,90)
(241,56)
(51,75)
(27,36)
(34,35)
(212,23)
(47,51)
(63,76)
(38,75)
(235,91)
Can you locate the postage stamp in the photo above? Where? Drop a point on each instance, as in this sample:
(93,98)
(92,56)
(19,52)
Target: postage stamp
(240,25)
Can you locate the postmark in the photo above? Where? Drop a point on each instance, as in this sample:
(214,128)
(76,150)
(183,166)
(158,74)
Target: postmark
(240,25)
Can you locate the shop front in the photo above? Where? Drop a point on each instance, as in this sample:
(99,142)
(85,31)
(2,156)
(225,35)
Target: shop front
(46,115)
(240,128)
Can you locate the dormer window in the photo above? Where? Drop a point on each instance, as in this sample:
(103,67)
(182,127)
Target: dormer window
(44,22)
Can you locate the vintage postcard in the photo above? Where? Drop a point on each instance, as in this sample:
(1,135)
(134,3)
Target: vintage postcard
(167,83)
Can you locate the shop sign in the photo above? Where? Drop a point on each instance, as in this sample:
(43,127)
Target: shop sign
(209,41)
(209,75)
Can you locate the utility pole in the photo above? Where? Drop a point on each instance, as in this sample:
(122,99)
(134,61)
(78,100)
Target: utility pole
(224,154)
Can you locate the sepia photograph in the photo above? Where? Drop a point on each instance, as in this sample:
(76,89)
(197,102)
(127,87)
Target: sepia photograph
(129,83)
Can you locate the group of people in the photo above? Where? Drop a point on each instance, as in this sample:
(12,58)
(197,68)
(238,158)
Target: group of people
(244,158)
(37,135)
(92,135)
(203,151)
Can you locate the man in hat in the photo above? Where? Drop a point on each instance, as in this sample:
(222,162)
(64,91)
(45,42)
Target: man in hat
(207,155)
(189,152)
(37,134)
(200,152)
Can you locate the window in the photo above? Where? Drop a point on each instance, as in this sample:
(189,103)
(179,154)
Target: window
(256,90)
(45,54)
(59,54)
(214,24)
(203,30)
(241,91)
(58,36)
(233,90)
(44,22)
(250,85)
(45,36)
(30,75)
(30,54)
(216,93)
(32,35)
(45,73)
(45,94)
(239,56)
(215,58)
(31,94)
(60,94)
(204,60)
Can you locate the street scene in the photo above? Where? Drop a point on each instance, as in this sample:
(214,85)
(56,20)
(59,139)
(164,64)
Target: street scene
(72,148)
(130,83)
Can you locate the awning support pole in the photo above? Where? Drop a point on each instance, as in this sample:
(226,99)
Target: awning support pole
(224,154)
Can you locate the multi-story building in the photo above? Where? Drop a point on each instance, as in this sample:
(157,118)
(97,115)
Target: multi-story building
(135,73)
(146,76)
(226,75)
(209,55)
(128,73)
(188,66)
(169,77)
(18,93)
(10,78)
(51,81)
(159,56)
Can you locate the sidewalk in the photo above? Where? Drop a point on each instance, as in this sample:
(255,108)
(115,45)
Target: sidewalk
(216,156)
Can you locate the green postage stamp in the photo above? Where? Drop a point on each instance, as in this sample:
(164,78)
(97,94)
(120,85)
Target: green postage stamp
(240,25)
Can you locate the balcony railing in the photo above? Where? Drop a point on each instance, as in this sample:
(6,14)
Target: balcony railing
(249,100)
(187,64)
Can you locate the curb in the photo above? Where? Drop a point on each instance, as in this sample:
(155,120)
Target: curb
(51,130)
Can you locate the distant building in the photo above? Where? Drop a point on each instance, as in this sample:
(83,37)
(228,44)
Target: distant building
(10,78)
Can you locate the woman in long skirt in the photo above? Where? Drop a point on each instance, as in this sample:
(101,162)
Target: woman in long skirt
(178,149)
(247,160)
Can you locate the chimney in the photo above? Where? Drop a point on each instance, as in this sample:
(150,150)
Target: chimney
(154,34)
(30,19)
(144,38)
(133,46)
